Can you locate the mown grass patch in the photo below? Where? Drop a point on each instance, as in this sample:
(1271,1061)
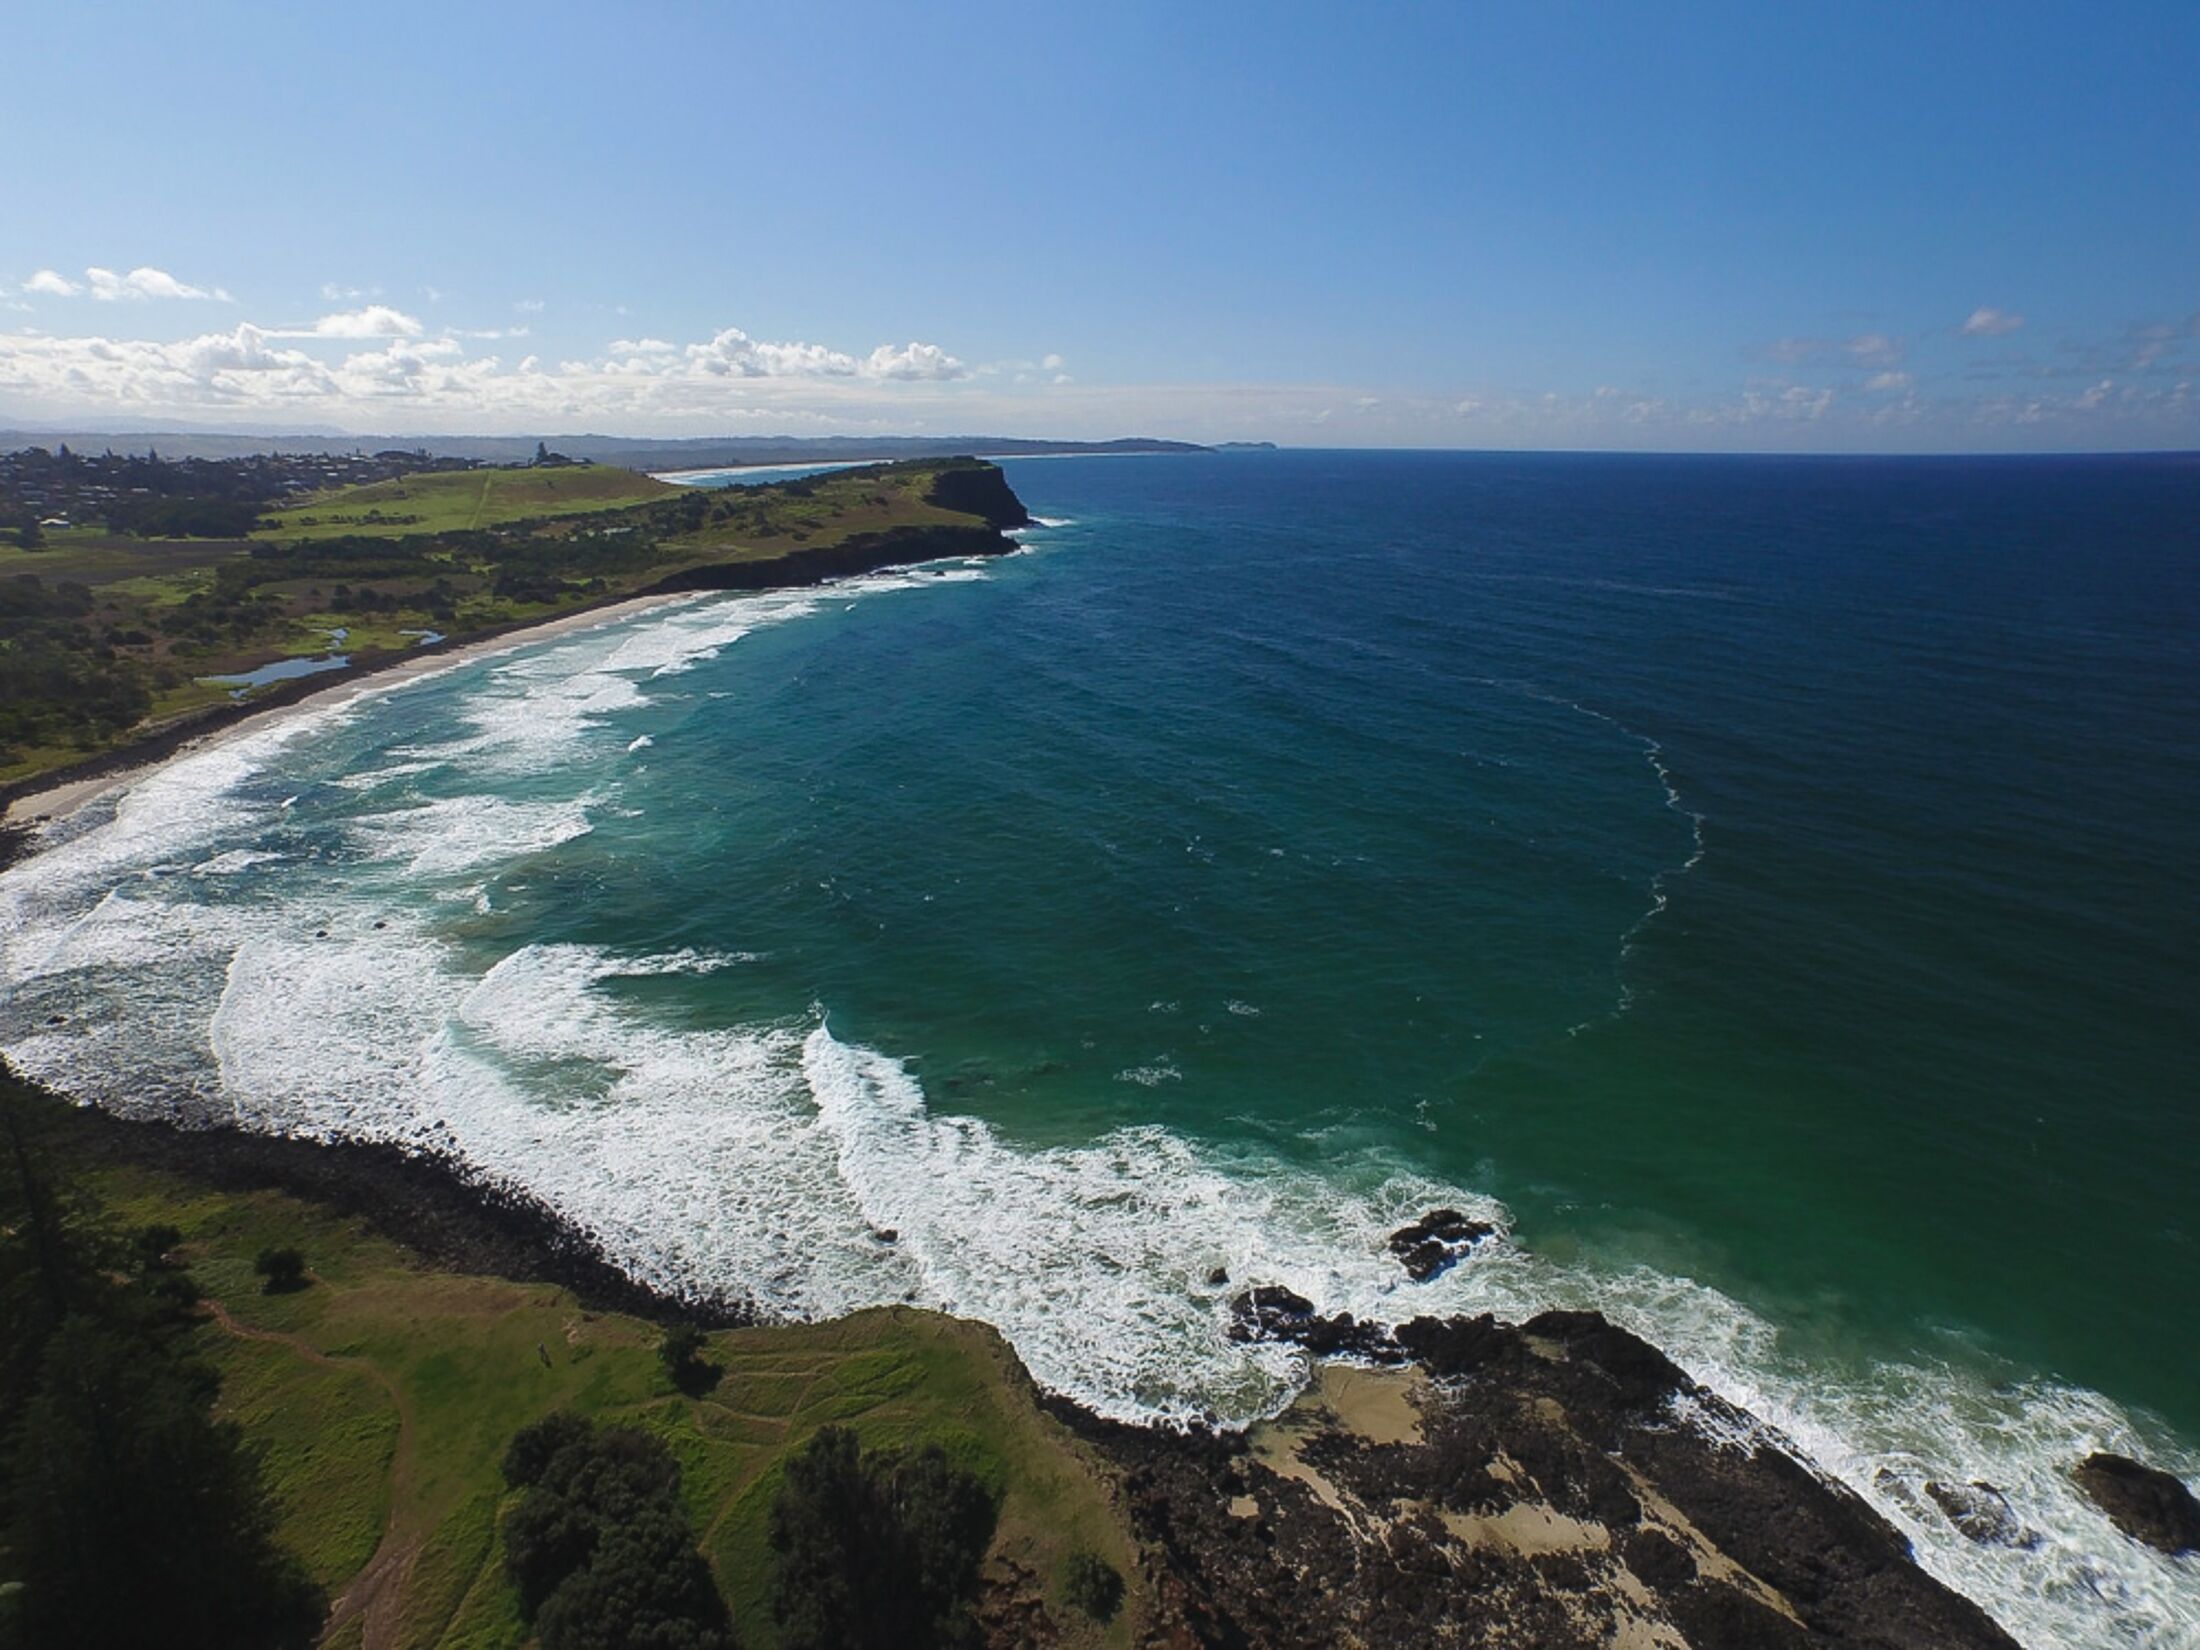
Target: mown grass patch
(462,500)
(470,1360)
(326,1437)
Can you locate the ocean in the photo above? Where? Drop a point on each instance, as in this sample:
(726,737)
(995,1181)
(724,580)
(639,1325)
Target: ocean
(1762,886)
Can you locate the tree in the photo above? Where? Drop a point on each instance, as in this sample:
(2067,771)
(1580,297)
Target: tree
(140,1519)
(532,1448)
(681,1352)
(877,1551)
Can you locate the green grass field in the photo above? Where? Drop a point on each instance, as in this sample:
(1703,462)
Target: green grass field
(383,1395)
(460,500)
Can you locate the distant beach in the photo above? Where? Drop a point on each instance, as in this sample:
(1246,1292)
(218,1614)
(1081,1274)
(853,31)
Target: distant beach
(44,803)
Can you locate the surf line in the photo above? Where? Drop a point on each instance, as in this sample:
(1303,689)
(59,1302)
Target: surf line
(1653,752)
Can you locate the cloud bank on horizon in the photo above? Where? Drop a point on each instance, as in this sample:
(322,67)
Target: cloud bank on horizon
(1691,227)
(377,369)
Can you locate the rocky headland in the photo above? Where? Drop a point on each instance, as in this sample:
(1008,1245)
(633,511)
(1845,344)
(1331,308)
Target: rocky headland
(1555,1484)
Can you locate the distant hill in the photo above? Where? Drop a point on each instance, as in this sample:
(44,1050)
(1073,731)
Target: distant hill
(704,453)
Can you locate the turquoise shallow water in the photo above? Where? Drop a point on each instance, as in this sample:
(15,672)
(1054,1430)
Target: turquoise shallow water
(1763,885)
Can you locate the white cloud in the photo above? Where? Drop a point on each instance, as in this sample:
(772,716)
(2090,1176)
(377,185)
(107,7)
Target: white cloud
(374,321)
(1052,362)
(144,282)
(1873,349)
(1991,323)
(52,283)
(2096,395)
(729,379)
(732,353)
(335,293)
(1888,381)
(913,361)
(529,306)
(1866,349)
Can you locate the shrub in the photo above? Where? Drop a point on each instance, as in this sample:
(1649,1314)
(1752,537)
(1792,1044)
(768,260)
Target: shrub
(281,1269)
(152,1245)
(1092,1585)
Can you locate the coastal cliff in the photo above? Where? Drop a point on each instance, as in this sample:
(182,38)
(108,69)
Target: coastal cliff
(850,558)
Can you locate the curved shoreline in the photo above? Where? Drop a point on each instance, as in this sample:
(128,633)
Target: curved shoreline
(44,798)
(54,795)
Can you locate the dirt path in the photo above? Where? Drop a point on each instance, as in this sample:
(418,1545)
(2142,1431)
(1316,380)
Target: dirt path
(810,1378)
(377,1592)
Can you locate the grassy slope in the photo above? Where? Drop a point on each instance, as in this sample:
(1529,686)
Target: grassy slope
(383,1397)
(459,500)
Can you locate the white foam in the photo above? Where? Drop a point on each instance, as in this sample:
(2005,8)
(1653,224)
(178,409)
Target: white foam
(437,839)
(1151,1075)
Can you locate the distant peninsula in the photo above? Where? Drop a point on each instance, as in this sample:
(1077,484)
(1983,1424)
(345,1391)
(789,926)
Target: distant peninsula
(148,600)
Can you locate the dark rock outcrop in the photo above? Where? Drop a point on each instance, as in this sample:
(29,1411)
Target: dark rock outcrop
(1269,1312)
(1981,1513)
(1437,1242)
(2144,1502)
(1542,1486)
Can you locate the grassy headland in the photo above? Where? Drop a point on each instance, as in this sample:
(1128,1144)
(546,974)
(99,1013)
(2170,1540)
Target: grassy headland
(108,640)
(381,1398)
(446,501)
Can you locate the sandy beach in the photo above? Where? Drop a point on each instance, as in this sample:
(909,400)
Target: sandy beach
(60,799)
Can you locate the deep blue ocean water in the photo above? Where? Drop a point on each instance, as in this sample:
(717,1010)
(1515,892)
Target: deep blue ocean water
(1763,885)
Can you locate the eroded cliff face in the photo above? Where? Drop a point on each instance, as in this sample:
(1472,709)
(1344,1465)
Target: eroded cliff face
(1547,1486)
(979,490)
(850,558)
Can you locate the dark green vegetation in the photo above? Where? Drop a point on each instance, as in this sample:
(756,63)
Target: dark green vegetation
(109,635)
(1093,1585)
(388,1402)
(877,1550)
(135,1514)
(599,1547)
(281,1270)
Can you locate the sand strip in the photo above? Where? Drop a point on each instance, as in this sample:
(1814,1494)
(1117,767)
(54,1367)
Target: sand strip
(63,797)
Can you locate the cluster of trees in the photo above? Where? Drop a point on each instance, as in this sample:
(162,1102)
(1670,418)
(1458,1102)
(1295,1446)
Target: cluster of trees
(877,1550)
(599,1547)
(61,682)
(874,1551)
(132,1516)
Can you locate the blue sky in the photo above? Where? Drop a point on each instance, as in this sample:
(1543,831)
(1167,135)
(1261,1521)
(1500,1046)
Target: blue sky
(1852,227)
